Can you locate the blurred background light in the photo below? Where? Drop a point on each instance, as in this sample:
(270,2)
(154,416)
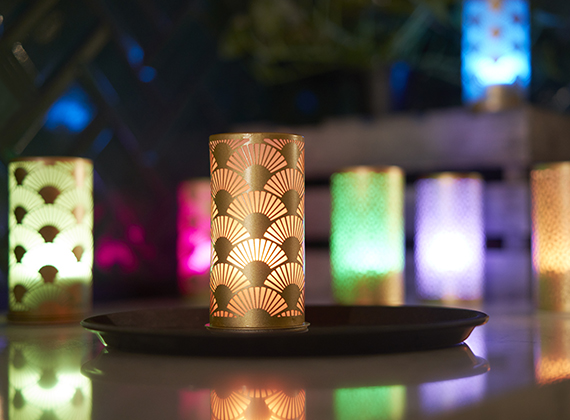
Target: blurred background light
(449,237)
(367,235)
(550,185)
(135,53)
(193,243)
(147,74)
(495,47)
(72,111)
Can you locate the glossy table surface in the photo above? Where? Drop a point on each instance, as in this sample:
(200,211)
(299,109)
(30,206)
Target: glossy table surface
(513,367)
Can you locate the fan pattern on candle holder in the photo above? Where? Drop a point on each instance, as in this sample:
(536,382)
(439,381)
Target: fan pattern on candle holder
(257,274)
(51,241)
(258,404)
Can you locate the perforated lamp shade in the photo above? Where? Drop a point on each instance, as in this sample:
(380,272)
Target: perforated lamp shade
(50,239)
(550,187)
(367,235)
(495,51)
(449,238)
(257,277)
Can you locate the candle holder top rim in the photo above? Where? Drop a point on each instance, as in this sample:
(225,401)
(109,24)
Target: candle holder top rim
(453,175)
(50,158)
(224,136)
(373,169)
(550,165)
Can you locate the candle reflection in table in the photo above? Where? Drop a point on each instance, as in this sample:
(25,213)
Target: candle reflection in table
(44,380)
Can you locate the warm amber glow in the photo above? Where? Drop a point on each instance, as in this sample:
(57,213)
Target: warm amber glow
(550,186)
(257,230)
(553,360)
(551,217)
(51,241)
(550,370)
(258,404)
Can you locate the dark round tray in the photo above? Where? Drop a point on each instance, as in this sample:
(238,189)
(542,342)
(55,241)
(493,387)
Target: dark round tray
(333,330)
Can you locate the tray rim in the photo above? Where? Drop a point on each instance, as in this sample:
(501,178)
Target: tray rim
(479,318)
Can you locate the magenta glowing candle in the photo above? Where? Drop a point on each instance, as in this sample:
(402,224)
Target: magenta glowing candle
(193,244)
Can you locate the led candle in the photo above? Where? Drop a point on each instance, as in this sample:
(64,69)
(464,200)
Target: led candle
(449,238)
(495,52)
(550,185)
(257,277)
(50,239)
(367,235)
(193,243)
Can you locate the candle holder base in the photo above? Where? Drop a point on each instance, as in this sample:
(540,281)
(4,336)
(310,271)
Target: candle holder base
(253,330)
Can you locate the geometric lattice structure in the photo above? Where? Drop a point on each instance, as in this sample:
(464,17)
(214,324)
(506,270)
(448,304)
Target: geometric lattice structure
(258,404)
(495,48)
(51,240)
(367,235)
(449,237)
(193,242)
(550,184)
(377,402)
(257,278)
(45,381)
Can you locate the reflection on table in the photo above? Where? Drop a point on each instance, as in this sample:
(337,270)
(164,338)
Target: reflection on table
(553,352)
(44,378)
(380,402)
(258,404)
(360,387)
(63,373)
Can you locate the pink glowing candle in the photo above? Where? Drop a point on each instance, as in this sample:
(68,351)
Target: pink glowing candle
(193,245)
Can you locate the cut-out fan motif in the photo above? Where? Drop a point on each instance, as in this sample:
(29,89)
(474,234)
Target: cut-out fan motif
(51,238)
(257,231)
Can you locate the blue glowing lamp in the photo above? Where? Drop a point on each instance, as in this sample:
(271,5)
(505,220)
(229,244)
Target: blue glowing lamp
(495,52)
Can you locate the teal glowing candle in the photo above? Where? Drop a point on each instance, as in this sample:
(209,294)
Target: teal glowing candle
(367,235)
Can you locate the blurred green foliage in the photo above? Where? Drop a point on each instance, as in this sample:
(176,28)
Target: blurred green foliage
(287,40)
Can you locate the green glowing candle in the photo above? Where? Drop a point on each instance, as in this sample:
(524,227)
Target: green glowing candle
(367,235)
(51,239)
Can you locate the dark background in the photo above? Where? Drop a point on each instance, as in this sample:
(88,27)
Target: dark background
(139,85)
